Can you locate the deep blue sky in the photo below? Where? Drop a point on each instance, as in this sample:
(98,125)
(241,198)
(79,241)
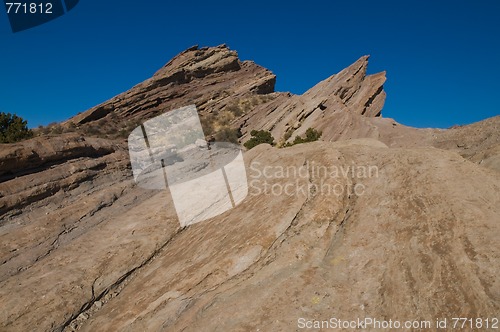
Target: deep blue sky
(442,57)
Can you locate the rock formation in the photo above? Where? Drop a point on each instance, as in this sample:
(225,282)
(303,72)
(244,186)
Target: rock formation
(211,78)
(348,93)
(412,233)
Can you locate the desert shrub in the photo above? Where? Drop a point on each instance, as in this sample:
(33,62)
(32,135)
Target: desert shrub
(288,134)
(246,106)
(13,128)
(312,135)
(227,134)
(69,129)
(207,123)
(92,130)
(234,109)
(255,101)
(102,123)
(224,118)
(57,129)
(259,137)
(123,133)
(41,130)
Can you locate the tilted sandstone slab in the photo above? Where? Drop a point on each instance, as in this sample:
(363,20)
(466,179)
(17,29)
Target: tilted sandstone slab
(350,92)
(36,169)
(209,77)
(418,241)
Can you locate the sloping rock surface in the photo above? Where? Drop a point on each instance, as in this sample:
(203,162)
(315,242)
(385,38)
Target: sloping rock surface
(420,240)
(393,223)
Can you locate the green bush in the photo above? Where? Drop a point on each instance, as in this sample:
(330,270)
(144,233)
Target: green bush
(259,137)
(312,135)
(13,128)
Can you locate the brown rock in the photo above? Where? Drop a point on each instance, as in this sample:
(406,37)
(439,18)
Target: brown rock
(83,248)
(210,77)
(349,92)
(274,259)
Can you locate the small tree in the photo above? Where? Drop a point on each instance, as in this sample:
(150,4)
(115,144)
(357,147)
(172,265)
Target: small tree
(259,137)
(13,128)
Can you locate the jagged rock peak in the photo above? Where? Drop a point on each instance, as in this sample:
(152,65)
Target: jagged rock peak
(329,106)
(204,76)
(199,62)
(360,93)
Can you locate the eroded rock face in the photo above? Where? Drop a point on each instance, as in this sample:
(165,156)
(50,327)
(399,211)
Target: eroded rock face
(275,258)
(350,93)
(210,77)
(215,80)
(43,167)
(83,248)
(44,152)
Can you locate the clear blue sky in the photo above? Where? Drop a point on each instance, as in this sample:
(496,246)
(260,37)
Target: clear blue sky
(442,57)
